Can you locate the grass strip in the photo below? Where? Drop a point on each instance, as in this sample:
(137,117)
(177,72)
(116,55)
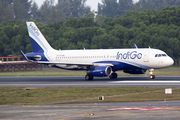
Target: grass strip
(60,95)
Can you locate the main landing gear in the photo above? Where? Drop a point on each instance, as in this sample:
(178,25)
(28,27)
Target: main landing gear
(89,77)
(152,76)
(113,75)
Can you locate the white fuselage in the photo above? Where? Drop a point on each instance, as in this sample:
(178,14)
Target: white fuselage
(142,58)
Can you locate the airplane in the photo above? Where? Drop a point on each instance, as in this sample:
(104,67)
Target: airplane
(96,62)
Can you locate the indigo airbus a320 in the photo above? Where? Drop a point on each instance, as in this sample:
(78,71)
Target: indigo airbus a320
(96,62)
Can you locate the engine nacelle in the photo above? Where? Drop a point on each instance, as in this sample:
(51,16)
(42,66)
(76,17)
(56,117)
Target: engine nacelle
(100,71)
(135,71)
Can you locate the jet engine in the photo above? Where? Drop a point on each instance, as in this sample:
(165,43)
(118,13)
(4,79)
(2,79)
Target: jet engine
(100,71)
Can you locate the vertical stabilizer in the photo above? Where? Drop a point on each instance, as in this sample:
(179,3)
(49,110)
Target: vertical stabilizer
(38,41)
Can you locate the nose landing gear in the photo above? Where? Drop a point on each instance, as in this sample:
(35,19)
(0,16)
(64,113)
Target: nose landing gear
(152,76)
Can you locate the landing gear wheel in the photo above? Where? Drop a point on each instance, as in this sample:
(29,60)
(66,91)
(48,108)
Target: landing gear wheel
(152,76)
(89,77)
(113,76)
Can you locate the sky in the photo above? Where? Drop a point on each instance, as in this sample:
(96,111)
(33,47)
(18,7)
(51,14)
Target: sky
(92,3)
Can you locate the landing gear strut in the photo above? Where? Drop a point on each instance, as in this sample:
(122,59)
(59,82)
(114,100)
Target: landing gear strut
(152,76)
(113,75)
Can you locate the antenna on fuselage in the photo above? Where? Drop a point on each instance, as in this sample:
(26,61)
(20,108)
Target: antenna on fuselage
(135,46)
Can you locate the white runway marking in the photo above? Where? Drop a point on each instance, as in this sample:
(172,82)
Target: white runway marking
(145,82)
(140,108)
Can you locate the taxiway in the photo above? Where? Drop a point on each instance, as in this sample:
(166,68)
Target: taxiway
(151,110)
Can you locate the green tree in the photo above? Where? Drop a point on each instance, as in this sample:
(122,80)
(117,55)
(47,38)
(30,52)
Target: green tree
(22,9)
(50,13)
(124,6)
(64,5)
(35,13)
(79,8)
(74,8)
(6,12)
(109,8)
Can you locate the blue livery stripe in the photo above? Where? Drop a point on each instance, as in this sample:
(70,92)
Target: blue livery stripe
(35,46)
(136,64)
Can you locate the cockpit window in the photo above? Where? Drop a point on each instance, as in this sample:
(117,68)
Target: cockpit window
(164,55)
(160,55)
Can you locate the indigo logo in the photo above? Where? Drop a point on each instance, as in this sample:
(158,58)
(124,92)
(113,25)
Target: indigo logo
(129,55)
(34,29)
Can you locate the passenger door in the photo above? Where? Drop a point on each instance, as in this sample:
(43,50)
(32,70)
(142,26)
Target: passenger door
(146,56)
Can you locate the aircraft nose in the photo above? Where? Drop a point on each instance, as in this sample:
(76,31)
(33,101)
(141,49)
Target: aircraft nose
(170,61)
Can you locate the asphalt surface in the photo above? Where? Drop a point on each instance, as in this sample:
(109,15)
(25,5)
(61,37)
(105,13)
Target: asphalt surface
(152,110)
(76,81)
(156,110)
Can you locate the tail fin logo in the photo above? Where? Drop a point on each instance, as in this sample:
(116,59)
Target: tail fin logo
(34,29)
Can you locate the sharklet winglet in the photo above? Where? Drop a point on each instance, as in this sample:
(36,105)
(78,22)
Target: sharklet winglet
(24,56)
(135,46)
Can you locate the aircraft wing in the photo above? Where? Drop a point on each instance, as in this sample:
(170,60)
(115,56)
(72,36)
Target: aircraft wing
(78,64)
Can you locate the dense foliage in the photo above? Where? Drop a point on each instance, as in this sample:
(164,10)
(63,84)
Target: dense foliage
(157,29)
(112,8)
(46,13)
(49,12)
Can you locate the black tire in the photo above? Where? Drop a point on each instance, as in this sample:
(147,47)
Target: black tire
(152,76)
(88,77)
(91,78)
(113,76)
